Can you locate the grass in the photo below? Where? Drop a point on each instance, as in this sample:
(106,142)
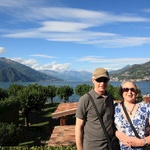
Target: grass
(41,126)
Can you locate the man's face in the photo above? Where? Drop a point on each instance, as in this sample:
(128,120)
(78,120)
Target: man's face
(100,84)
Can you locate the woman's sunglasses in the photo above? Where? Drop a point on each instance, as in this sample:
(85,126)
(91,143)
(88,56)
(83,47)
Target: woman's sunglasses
(127,89)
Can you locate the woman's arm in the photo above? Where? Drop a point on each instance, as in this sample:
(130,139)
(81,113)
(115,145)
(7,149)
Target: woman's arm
(126,140)
(132,141)
(147,139)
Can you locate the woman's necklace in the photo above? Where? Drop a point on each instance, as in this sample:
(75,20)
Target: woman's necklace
(130,111)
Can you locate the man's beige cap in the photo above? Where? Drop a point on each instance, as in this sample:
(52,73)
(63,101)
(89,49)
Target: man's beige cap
(100,72)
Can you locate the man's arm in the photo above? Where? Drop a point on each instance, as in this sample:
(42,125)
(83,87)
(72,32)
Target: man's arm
(79,133)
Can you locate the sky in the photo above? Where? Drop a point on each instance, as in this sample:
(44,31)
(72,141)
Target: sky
(78,35)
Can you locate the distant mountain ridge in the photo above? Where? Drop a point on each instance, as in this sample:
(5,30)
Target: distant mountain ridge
(71,76)
(11,71)
(137,72)
(120,70)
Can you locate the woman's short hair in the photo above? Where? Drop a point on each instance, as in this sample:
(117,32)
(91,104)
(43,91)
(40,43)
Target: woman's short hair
(137,90)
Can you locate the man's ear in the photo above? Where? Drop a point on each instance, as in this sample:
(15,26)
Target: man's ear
(93,80)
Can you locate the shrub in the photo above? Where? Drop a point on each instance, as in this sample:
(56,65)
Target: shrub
(9,110)
(9,134)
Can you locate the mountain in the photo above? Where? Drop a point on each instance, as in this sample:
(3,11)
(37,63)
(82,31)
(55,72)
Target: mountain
(71,76)
(10,74)
(11,71)
(120,70)
(137,72)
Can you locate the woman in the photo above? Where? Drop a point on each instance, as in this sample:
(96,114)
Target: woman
(139,113)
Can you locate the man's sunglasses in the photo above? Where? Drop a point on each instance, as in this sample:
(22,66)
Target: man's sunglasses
(102,79)
(127,89)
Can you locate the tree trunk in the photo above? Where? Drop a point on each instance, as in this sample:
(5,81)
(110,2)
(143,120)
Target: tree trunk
(51,100)
(26,119)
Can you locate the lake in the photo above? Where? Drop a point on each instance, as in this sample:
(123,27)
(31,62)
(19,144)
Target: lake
(144,86)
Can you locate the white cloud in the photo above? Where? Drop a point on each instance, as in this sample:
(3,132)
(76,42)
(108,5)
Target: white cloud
(75,25)
(102,39)
(118,41)
(116,61)
(80,32)
(110,64)
(28,62)
(61,26)
(39,10)
(95,61)
(2,50)
(32,63)
(18,4)
(54,66)
(41,55)
(10,3)
(78,15)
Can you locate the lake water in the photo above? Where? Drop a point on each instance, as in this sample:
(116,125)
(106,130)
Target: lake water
(144,86)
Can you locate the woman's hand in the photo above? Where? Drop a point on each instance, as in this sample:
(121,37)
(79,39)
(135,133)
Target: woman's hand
(136,142)
(126,140)
(129,141)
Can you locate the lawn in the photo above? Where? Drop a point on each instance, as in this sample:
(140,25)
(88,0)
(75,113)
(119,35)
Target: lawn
(41,126)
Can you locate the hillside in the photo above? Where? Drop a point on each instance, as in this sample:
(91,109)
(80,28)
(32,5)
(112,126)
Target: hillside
(11,71)
(120,70)
(137,72)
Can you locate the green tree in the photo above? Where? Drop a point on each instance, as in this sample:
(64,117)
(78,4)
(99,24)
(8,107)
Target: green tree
(114,91)
(51,92)
(64,92)
(32,98)
(9,110)
(140,97)
(14,89)
(82,89)
(3,94)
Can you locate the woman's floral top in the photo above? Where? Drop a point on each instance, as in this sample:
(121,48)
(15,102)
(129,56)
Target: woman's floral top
(139,120)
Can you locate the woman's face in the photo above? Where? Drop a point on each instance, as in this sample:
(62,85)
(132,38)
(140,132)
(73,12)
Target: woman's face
(129,92)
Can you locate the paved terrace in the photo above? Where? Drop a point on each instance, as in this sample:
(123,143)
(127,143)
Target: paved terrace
(63,134)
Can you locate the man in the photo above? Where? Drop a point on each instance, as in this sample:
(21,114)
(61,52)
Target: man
(88,131)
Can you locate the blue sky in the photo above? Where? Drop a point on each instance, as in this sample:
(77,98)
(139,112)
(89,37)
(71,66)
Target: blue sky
(75,34)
